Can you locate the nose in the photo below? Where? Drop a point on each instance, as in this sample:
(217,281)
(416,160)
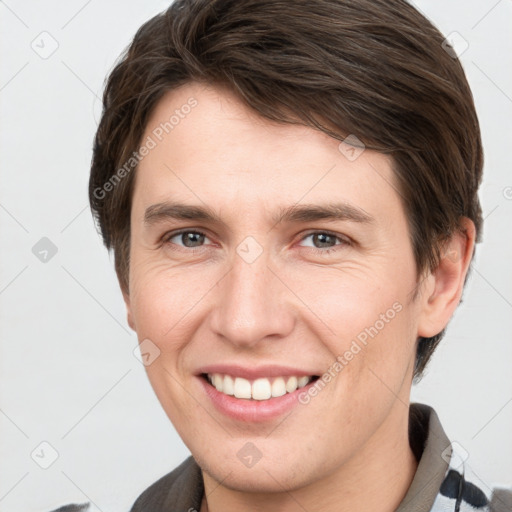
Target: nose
(253,304)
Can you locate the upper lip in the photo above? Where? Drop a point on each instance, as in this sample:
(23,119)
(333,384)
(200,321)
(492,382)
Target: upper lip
(252,373)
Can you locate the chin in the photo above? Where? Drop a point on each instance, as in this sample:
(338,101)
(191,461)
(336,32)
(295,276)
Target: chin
(263,477)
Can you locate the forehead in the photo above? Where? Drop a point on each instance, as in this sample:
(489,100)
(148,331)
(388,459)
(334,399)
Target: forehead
(209,148)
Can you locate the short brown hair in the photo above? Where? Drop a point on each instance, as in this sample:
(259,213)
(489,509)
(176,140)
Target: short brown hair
(377,69)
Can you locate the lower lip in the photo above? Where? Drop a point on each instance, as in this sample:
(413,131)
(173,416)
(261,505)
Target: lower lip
(253,411)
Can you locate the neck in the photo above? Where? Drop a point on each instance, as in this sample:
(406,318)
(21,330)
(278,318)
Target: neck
(376,478)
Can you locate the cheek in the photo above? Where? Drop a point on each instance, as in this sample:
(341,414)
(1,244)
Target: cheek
(365,318)
(165,300)
(151,308)
(163,308)
(350,299)
(170,304)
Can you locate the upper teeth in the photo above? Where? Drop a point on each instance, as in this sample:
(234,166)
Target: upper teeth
(259,389)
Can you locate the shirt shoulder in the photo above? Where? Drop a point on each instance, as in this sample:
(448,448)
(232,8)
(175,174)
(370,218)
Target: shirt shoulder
(444,480)
(74,507)
(462,491)
(181,489)
(501,500)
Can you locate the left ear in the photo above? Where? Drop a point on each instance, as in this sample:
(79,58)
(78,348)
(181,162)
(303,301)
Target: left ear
(444,289)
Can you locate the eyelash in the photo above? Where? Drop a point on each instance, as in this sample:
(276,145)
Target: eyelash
(344,241)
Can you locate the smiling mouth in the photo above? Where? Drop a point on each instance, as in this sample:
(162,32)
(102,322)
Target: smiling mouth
(258,389)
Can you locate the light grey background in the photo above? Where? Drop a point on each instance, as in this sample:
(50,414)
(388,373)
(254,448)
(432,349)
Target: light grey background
(68,373)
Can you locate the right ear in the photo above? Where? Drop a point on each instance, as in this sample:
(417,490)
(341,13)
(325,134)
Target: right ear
(129,315)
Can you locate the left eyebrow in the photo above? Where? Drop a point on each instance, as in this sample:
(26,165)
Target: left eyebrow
(331,211)
(291,214)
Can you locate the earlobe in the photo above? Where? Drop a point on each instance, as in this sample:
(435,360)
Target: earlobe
(441,300)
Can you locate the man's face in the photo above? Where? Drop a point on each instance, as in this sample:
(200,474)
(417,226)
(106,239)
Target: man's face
(289,296)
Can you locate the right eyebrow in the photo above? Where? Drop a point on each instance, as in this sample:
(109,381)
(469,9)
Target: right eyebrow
(178,211)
